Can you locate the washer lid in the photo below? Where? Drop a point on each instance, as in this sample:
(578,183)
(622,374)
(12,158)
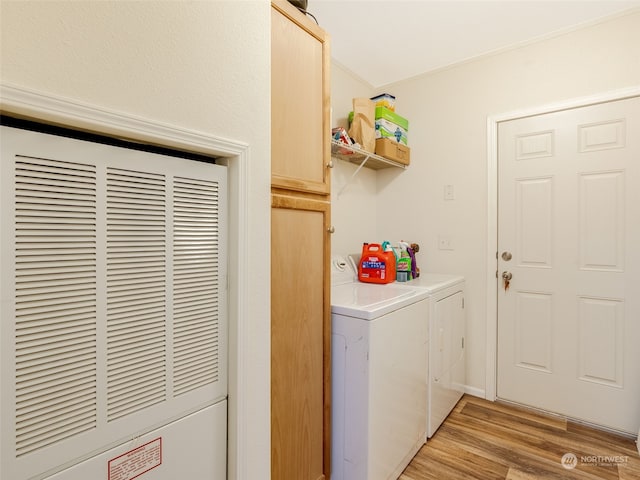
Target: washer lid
(370,301)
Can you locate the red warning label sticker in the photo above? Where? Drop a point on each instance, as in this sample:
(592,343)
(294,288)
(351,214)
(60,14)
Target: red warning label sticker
(136,462)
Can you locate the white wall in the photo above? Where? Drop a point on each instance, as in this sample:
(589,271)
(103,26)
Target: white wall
(447,112)
(203,66)
(353,212)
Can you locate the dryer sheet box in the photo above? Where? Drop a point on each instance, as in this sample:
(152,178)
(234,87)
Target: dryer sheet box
(391,125)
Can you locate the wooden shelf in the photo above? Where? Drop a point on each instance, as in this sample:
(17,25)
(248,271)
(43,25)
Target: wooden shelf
(361,157)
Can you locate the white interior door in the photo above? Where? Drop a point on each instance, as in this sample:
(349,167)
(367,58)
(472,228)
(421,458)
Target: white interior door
(569,216)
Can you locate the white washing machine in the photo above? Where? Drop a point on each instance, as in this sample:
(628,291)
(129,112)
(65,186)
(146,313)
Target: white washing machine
(446,320)
(379,367)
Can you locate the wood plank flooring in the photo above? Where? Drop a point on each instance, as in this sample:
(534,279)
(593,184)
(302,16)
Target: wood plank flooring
(494,441)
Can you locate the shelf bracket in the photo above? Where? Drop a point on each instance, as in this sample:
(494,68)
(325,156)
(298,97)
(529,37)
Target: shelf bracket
(361,157)
(353,175)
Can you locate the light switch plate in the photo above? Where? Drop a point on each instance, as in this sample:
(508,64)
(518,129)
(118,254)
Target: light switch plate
(449,193)
(444,242)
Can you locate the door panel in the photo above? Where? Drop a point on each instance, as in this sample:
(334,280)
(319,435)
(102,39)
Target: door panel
(601,198)
(533,227)
(300,350)
(533,324)
(569,318)
(299,95)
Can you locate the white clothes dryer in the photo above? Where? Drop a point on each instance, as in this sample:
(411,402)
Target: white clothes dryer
(446,320)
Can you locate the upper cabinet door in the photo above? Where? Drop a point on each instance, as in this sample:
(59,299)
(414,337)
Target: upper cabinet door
(300,102)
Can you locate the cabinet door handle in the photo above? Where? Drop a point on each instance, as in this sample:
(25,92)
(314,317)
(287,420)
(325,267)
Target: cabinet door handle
(331,229)
(330,164)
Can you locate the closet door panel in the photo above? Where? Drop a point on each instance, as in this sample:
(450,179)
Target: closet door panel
(299,338)
(299,104)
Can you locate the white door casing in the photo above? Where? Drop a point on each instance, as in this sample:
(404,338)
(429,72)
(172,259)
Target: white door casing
(567,204)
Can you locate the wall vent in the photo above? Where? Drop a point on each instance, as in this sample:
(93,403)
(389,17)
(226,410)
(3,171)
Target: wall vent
(114,275)
(55,301)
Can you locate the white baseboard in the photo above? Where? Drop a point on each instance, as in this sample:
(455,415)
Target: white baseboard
(476,392)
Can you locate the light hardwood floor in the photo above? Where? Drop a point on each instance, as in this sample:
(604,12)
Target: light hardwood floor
(490,441)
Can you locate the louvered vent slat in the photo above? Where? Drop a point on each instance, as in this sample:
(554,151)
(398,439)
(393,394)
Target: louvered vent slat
(136,290)
(117,287)
(186,310)
(123,336)
(158,307)
(63,346)
(121,367)
(205,335)
(123,350)
(40,329)
(55,255)
(194,299)
(41,415)
(197,353)
(73,412)
(120,373)
(195,261)
(51,436)
(42,320)
(137,402)
(145,385)
(196,322)
(56,396)
(141,315)
(120,274)
(72,378)
(197,283)
(44,431)
(62,363)
(55,308)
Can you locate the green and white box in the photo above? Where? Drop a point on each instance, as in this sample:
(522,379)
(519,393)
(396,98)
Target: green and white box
(391,125)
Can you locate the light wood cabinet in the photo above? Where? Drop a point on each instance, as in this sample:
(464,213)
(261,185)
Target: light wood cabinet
(300,248)
(300,102)
(300,363)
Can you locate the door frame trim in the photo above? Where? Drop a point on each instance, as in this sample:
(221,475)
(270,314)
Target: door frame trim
(491,348)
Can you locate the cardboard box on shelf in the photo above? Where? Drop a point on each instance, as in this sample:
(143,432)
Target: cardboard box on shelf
(398,152)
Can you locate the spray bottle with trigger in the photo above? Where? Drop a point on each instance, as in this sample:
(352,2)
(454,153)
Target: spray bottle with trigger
(404,262)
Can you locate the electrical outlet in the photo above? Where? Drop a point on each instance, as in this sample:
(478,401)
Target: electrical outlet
(444,242)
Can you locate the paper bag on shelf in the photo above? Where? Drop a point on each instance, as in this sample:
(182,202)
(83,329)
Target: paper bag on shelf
(363,128)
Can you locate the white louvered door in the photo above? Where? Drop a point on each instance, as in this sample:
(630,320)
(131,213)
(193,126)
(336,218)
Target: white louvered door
(113,296)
